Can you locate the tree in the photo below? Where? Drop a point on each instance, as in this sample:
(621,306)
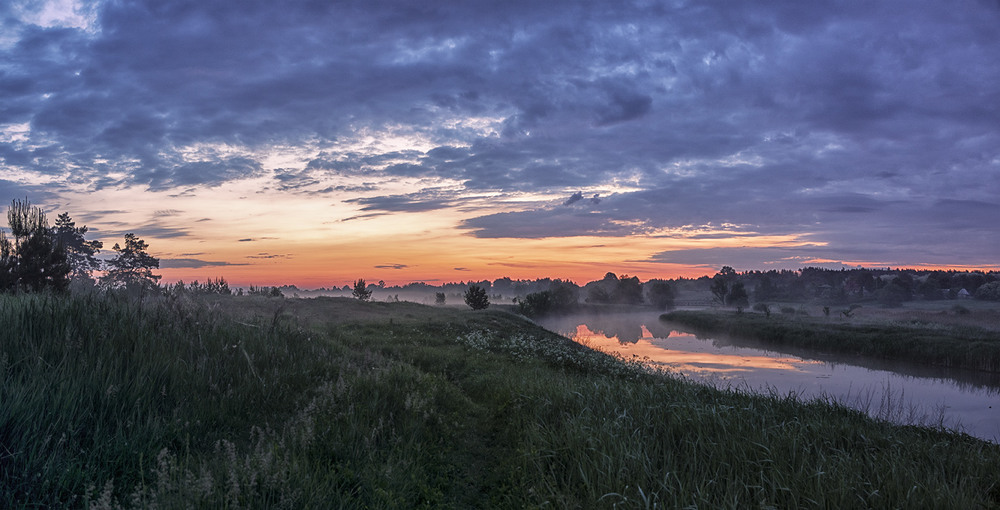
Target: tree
(719,288)
(535,304)
(661,294)
(34,260)
(440,298)
(80,253)
(737,296)
(628,291)
(476,298)
(892,295)
(988,291)
(765,289)
(8,264)
(361,290)
(132,268)
(264,291)
(565,295)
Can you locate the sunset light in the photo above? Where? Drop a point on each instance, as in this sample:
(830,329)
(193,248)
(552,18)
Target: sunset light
(281,144)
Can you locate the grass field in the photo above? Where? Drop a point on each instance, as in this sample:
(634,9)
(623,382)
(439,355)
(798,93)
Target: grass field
(333,403)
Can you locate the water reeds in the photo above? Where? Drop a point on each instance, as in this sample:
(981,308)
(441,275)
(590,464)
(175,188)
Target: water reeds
(232,403)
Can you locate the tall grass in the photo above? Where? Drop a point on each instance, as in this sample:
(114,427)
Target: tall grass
(97,389)
(235,403)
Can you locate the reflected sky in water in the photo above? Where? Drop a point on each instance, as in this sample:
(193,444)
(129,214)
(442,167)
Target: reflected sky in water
(900,392)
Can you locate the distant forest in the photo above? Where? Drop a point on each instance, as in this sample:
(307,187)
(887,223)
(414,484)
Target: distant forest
(39,257)
(885,286)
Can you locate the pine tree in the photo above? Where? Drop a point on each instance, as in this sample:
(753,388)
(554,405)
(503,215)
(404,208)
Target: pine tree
(476,298)
(80,252)
(132,268)
(34,260)
(361,290)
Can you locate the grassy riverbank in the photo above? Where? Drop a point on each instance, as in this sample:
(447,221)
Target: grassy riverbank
(924,338)
(251,402)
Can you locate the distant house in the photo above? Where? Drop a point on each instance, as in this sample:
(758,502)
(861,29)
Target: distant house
(963,294)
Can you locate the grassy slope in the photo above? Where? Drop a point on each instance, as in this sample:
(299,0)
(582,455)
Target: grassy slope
(921,341)
(331,402)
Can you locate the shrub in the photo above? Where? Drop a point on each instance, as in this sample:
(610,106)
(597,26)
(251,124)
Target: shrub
(989,291)
(476,298)
(762,308)
(535,304)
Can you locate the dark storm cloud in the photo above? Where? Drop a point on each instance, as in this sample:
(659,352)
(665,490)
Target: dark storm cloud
(846,123)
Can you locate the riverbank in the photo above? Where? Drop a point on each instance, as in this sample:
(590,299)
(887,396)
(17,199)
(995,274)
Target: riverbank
(930,338)
(289,403)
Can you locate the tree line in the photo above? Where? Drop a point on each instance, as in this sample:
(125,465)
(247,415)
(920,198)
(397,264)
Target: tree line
(37,257)
(887,286)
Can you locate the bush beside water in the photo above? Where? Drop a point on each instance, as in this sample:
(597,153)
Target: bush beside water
(251,402)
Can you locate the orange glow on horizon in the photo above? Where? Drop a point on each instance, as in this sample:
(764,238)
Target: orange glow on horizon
(251,234)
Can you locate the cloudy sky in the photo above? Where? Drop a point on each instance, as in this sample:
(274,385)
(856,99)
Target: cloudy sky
(314,142)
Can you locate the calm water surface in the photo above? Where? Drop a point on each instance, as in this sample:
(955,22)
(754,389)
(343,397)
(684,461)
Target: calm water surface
(901,392)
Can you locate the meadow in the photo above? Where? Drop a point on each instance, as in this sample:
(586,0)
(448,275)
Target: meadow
(254,402)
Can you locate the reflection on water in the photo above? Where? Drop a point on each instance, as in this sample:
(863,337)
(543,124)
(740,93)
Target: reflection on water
(901,392)
(683,352)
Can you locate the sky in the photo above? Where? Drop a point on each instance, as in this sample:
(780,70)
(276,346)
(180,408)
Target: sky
(316,142)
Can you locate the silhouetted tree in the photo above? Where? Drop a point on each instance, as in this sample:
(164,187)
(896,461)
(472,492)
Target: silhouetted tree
(721,283)
(602,291)
(361,290)
(661,294)
(132,268)
(565,295)
(535,304)
(80,253)
(218,286)
(263,291)
(34,260)
(628,291)
(8,264)
(476,298)
(440,298)
(737,296)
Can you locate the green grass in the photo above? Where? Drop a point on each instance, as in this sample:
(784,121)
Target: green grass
(327,403)
(951,345)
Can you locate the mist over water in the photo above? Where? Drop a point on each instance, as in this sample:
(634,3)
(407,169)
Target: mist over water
(900,392)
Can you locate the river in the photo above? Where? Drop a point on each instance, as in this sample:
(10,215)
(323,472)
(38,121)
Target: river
(906,393)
